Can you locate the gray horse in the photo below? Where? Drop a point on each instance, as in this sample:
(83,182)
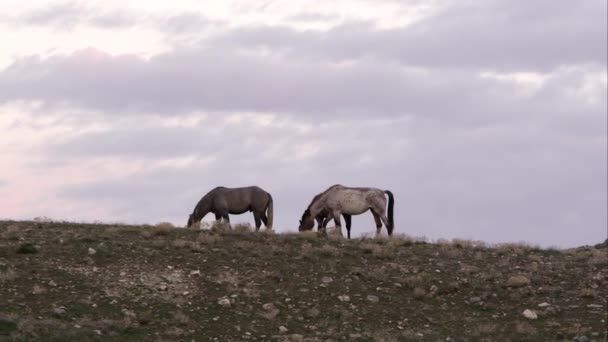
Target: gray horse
(223,201)
(324,217)
(339,200)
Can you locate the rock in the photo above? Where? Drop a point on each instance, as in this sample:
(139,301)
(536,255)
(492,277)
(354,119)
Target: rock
(544,305)
(91,251)
(434,290)
(163,287)
(327,280)
(225,302)
(355,336)
(595,306)
(581,339)
(59,311)
(282,329)
(38,290)
(518,281)
(195,273)
(373,299)
(268,307)
(552,309)
(344,298)
(474,300)
(312,313)
(271,311)
(529,314)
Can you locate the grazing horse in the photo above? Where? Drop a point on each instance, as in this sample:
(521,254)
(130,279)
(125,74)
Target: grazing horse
(324,216)
(223,201)
(340,200)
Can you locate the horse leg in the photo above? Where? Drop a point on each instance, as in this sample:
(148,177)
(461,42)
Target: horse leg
(258,221)
(264,218)
(227,219)
(378,223)
(347,219)
(322,224)
(384,219)
(338,224)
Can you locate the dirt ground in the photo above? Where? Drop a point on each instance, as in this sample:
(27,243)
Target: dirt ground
(69,281)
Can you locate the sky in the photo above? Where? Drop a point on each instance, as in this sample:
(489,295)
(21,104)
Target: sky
(486,119)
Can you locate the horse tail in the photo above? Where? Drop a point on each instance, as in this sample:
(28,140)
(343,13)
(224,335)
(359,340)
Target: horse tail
(269,212)
(391,205)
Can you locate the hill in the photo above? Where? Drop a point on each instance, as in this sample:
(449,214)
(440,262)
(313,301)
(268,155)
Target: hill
(70,281)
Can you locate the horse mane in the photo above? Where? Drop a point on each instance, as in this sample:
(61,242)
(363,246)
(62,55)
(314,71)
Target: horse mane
(314,199)
(306,213)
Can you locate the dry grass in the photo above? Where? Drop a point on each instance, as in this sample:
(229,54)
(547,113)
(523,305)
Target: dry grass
(598,258)
(208,239)
(329,251)
(160,229)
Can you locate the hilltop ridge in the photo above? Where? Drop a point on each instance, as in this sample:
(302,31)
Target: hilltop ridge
(71,281)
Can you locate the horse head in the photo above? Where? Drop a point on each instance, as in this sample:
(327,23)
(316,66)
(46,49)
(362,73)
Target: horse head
(190,220)
(307,222)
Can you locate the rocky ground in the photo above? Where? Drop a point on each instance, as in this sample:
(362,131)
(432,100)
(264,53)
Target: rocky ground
(68,281)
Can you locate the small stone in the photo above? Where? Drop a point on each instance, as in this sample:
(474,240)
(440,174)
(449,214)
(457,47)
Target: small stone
(518,281)
(434,289)
(163,288)
(344,298)
(544,305)
(38,290)
(355,336)
(282,329)
(474,300)
(312,313)
(52,283)
(581,339)
(327,280)
(225,302)
(296,337)
(373,299)
(195,273)
(92,251)
(60,311)
(594,306)
(529,314)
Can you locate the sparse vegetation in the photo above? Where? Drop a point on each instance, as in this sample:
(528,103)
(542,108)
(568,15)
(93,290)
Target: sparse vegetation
(129,283)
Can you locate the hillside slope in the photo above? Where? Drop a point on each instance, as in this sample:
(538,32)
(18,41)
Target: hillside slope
(67,281)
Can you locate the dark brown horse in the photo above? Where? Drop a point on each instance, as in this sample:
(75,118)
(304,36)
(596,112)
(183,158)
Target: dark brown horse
(339,200)
(224,201)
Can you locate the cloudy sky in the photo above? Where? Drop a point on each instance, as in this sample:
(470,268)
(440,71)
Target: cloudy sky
(487,119)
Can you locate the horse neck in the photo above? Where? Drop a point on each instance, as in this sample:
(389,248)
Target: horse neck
(316,207)
(202,208)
